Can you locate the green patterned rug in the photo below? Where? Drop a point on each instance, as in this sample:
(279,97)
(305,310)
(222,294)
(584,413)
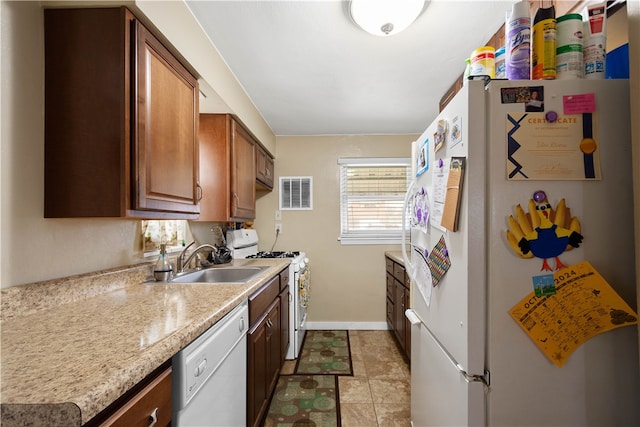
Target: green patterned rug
(304,401)
(325,353)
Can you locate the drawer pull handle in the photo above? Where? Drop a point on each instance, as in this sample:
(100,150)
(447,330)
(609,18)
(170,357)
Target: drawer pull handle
(153,418)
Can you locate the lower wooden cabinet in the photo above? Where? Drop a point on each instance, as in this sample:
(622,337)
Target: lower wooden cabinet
(266,350)
(151,405)
(398,300)
(284,321)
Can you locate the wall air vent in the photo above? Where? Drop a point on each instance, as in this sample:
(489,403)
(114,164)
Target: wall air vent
(296,193)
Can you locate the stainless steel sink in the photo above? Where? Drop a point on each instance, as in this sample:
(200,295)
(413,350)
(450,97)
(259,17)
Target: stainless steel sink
(239,275)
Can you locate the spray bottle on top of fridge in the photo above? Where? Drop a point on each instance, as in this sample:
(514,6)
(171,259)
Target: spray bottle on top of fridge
(543,51)
(518,43)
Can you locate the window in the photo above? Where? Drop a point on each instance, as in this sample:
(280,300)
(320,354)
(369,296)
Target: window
(171,232)
(372,199)
(296,193)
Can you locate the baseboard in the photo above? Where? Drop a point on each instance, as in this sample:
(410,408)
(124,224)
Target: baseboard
(354,326)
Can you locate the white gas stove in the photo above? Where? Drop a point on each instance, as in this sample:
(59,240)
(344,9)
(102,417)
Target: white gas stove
(244,244)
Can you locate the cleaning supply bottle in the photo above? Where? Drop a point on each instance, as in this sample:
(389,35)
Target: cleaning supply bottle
(518,42)
(543,51)
(163,270)
(483,62)
(467,71)
(569,47)
(500,63)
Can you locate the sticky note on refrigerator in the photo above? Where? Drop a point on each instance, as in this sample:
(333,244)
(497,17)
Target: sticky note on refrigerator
(579,104)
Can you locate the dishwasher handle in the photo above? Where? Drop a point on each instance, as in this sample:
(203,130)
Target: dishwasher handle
(201,368)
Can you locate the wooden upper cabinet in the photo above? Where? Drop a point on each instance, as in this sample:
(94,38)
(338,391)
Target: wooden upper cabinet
(167,129)
(264,169)
(121,120)
(227,169)
(243,173)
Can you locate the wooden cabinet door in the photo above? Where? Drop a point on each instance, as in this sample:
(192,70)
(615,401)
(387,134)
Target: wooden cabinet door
(257,394)
(398,323)
(243,174)
(120,120)
(274,360)
(264,169)
(263,363)
(215,167)
(390,300)
(166,144)
(407,325)
(284,323)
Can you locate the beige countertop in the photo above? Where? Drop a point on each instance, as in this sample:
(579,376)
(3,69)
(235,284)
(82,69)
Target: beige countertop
(396,256)
(70,347)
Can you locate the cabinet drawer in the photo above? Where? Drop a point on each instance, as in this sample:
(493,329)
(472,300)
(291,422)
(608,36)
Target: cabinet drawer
(262,298)
(154,400)
(389,265)
(398,272)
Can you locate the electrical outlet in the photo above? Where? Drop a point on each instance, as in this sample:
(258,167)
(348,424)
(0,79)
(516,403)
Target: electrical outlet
(278,228)
(278,215)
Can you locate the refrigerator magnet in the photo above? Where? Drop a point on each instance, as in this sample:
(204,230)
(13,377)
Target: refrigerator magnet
(535,101)
(420,210)
(422,158)
(439,261)
(440,135)
(456,131)
(543,233)
(543,285)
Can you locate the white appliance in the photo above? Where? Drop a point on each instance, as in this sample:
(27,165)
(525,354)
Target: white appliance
(210,375)
(244,244)
(471,363)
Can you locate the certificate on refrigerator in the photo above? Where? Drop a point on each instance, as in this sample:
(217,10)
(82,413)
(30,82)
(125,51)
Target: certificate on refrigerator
(552,146)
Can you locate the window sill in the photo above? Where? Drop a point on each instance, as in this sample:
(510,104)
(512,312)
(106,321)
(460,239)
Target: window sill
(365,240)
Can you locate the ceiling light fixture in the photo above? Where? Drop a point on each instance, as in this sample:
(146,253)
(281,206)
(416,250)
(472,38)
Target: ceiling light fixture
(385,17)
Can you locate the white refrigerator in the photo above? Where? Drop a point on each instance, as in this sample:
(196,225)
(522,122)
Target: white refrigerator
(472,364)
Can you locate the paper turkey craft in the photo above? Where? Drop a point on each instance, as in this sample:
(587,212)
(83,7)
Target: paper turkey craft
(543,232)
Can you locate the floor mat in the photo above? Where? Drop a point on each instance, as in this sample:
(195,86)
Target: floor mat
(325,353)
(304,401)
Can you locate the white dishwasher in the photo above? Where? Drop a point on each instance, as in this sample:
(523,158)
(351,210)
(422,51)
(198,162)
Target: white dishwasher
(210,375)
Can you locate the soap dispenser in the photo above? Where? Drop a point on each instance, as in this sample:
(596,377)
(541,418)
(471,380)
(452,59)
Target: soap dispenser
(163,270)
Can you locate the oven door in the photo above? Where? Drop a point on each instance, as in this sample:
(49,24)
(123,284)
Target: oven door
(303,277)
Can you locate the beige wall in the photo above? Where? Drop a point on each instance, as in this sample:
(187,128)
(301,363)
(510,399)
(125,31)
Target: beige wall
(34,248)
(348,282)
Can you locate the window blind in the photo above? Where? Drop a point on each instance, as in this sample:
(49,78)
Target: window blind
(372,199)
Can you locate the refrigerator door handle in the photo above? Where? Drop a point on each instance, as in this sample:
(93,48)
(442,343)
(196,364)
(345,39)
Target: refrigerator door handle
(414,319)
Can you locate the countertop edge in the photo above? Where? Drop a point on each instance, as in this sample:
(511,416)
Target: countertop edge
(84,406)
(46,414)
(395,256)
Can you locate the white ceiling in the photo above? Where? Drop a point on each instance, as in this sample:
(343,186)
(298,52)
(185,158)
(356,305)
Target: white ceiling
(310,70)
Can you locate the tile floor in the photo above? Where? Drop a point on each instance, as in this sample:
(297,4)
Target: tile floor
(378,393)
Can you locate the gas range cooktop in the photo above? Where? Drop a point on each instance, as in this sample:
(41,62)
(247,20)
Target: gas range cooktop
(275,254)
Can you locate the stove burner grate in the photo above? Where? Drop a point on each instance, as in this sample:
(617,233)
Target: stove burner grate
(275,254)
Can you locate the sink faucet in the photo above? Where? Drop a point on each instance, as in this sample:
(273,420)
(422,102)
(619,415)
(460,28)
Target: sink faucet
(182,263)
